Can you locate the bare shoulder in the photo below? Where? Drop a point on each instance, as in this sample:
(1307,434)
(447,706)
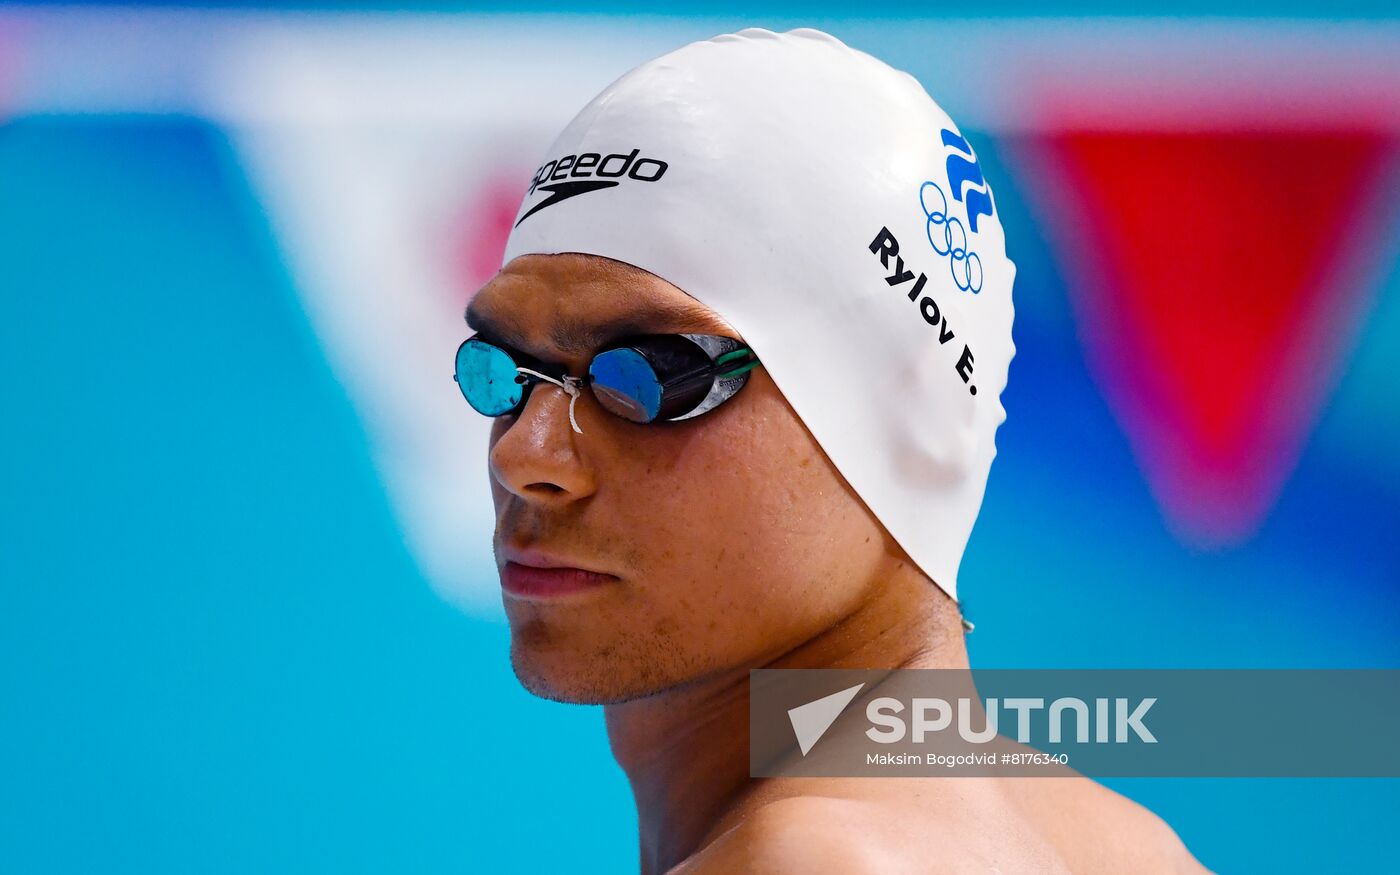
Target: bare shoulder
(1103,831)
(946,827)
(810,834)
(825,834)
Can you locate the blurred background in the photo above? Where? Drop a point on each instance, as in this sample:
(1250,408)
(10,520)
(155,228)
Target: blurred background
(249,620)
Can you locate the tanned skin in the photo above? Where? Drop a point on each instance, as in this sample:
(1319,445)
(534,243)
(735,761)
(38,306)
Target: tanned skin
(735,544)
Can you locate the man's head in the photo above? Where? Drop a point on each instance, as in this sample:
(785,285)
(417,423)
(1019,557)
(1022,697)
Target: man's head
(732,537)
(806,197)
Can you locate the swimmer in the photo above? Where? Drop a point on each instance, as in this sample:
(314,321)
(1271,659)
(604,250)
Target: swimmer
(745,359)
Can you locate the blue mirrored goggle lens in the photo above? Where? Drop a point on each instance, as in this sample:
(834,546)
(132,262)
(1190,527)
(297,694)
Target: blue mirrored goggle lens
(625,384)
(486,375)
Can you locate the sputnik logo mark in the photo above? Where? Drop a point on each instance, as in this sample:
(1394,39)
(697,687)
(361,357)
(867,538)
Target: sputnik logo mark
(811,721)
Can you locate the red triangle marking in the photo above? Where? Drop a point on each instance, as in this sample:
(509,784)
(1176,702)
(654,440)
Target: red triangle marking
(1217,277)
(483,227)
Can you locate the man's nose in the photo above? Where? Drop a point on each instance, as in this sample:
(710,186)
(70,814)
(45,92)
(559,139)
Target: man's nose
(537,457)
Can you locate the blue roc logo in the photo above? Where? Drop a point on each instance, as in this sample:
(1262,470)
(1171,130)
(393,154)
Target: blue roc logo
(946,233)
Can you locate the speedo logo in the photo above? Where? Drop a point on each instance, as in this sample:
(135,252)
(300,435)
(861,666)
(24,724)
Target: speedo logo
(573,175)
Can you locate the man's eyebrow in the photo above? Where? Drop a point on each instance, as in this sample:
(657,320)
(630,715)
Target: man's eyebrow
(484,324)
(574,338)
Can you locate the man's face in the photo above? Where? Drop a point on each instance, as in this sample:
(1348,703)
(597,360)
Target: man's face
(731,537)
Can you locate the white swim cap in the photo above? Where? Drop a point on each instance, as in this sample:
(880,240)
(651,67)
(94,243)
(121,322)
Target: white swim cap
(820,202)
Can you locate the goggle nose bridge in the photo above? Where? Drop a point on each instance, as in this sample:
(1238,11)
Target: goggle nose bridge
(571,385)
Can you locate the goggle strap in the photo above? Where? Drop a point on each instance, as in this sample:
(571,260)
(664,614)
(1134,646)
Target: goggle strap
(736,354)
(745,369)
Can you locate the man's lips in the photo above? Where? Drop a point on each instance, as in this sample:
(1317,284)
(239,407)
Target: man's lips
(534,575)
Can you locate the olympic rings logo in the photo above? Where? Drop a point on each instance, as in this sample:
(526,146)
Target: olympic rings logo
(948,238)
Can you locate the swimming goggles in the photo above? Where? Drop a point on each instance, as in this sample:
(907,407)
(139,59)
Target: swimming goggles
(644,379)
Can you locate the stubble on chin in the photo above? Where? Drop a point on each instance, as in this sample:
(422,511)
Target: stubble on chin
(627,667)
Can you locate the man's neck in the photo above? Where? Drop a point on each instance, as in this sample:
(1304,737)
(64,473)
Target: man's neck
(685,750)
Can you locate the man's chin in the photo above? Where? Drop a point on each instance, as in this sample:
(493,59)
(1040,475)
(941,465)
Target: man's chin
(576,684)
(589,678)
